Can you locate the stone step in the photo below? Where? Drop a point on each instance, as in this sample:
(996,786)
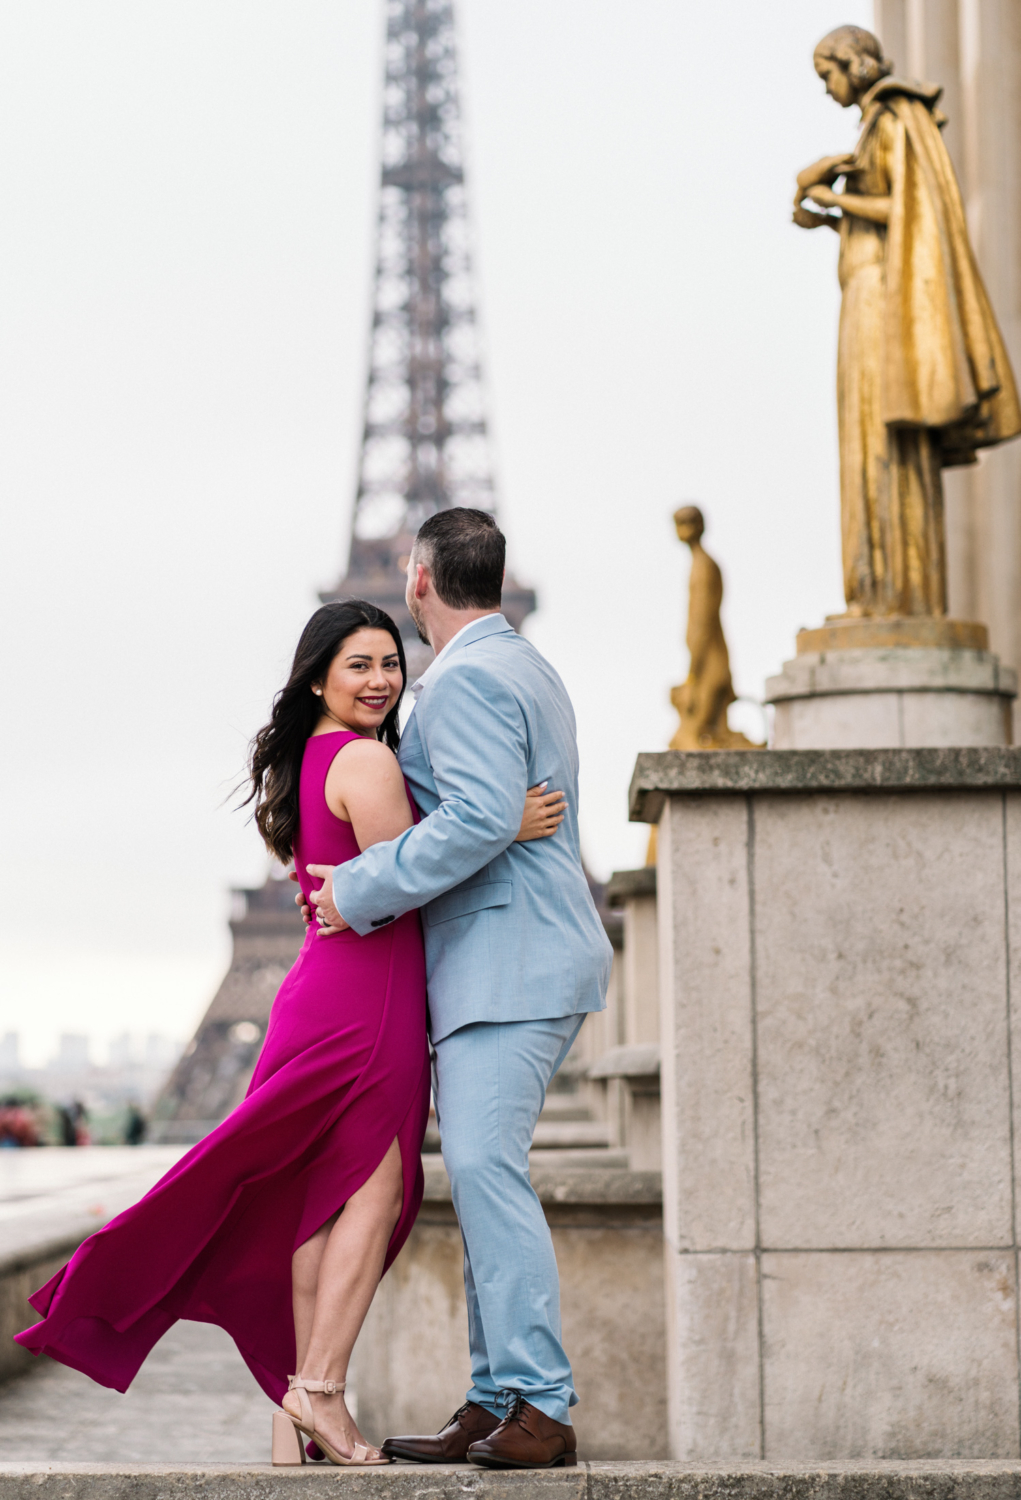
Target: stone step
(554,1135)
(572,1130)
(824,1480)
(564,1109)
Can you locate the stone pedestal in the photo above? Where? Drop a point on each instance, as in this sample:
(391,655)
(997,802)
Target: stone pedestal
(878,684)
(840,985)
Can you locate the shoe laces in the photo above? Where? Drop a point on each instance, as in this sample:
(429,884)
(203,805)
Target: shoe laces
(512,1402)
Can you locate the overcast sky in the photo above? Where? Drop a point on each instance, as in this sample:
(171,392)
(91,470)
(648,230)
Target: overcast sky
(187,199)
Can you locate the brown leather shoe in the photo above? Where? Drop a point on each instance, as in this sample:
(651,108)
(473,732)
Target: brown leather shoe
(450,1444)
(526,1439)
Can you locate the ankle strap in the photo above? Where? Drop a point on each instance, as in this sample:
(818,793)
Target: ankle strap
(326,1387)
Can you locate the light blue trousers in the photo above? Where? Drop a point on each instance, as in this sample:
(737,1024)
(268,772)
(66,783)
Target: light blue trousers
(490,1082)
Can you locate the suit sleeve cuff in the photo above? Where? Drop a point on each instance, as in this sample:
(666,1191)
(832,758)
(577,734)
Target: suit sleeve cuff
(347,903)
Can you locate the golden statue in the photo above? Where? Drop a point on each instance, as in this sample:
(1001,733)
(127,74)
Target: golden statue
(703,698)
(923,378)
(702,701)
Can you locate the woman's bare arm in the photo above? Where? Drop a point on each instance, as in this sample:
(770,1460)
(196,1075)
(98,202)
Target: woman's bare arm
(364,786)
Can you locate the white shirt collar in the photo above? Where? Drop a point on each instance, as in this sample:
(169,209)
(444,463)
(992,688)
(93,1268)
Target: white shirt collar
(418,686)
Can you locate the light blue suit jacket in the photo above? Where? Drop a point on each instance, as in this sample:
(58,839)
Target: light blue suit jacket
(511,930)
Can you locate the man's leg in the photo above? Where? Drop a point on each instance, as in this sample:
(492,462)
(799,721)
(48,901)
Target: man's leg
(491,1083)
(482,1379)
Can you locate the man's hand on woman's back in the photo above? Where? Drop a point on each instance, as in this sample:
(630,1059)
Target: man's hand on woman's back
(329,918)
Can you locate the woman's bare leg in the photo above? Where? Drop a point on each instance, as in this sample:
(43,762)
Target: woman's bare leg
(305,1283)
(345,1258)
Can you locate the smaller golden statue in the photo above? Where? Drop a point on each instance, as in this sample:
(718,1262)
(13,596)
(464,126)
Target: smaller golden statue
(702,701)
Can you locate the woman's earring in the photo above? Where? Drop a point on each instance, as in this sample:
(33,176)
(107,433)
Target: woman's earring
(318,692)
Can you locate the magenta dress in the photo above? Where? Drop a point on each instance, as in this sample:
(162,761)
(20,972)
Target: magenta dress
(343,1071)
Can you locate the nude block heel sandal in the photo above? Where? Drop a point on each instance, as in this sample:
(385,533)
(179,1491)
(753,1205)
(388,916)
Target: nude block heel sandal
(306,1423)
(287,1444)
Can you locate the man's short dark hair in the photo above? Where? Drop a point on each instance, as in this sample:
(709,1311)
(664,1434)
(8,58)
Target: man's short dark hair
(465,551)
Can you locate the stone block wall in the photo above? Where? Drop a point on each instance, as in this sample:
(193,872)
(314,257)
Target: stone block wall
(840,984)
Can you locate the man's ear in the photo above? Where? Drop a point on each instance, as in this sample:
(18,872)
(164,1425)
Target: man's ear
(421,581)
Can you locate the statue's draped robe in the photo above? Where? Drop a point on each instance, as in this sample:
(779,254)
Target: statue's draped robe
(923,378)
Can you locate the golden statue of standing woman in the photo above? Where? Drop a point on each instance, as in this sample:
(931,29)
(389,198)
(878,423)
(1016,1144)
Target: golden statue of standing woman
(703,699)
(923,378)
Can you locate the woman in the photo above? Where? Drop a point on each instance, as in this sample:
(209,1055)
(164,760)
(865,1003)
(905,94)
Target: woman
(278,1225)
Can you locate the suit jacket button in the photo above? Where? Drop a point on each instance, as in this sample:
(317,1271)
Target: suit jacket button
(382,921)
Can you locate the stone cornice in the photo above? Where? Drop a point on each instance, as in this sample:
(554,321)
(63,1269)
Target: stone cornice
(698,772)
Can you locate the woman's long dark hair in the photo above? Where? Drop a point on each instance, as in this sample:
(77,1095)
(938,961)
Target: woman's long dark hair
(274,758)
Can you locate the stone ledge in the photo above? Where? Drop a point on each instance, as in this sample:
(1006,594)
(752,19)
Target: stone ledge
(693,772)
(186,1133)
(626,884)
(50,1247)
(51,1200)
(657,1480)
(635,1061)
(596,1186)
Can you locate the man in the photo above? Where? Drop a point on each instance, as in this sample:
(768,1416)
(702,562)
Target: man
(516,957)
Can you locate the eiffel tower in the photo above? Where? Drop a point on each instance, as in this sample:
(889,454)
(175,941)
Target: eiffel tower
(424,444)
(424,448)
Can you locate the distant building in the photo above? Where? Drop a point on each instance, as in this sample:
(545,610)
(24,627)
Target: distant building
(121,1052)
(10,1053)
(72,1054)
(135,1071)
(160,1052)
